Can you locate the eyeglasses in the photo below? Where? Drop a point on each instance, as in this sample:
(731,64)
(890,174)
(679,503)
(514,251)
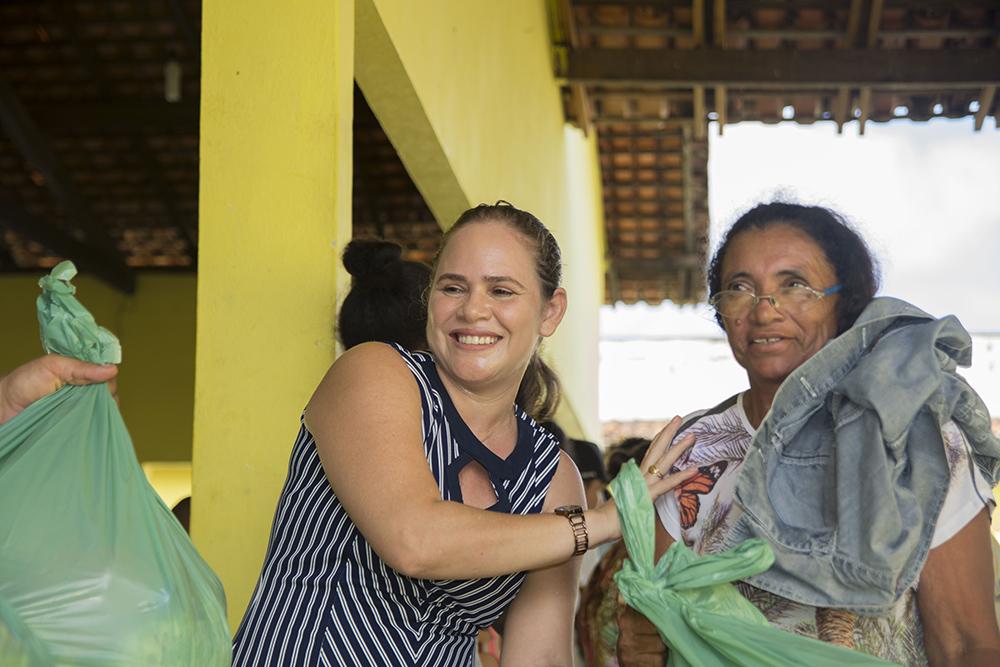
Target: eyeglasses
(734,303)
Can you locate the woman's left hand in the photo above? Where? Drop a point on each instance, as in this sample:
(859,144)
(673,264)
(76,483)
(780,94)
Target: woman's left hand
(40,377)
(660,458)
(656,465)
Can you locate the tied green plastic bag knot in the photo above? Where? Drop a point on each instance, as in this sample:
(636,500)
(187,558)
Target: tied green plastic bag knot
(703,619)
(67,327)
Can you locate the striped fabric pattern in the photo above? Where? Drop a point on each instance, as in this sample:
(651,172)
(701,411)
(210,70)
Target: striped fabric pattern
(324,597)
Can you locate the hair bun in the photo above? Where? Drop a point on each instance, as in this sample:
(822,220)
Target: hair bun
(374,261)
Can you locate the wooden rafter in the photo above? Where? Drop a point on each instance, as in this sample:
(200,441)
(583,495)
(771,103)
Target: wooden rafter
(676,262)
(747,5)
(721,104)
(85,256)
(985,105)
(124,117)
(874,23)
(698,22)
(719,24)
(154,176)
(104,260)
(689,233)
(579,101)
(841,109)
(865,106)
(966,68)
(185,26)
(853,25)
(699,112)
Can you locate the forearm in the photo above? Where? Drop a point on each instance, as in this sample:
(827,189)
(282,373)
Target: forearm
(971,657)
(455,541)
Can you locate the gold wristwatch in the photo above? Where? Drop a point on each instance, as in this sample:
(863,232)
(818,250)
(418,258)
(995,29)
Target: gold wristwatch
(574,513)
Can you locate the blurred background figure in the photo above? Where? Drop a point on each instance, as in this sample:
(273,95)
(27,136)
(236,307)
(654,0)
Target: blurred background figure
(386,302)
(596,618)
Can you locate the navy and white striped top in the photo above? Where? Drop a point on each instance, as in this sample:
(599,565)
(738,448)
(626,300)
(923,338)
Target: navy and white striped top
(324,596)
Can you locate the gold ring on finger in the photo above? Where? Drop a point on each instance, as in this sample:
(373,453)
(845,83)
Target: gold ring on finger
(653,470)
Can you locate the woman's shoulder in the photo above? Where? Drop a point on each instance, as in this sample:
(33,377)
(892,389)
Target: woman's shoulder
(728,412)
(369,372)
(373,359)
(722,433)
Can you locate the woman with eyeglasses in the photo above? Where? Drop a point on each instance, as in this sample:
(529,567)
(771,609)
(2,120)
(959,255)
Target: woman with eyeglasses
(857,452)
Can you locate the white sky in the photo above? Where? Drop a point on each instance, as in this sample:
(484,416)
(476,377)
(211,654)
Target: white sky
(926,196)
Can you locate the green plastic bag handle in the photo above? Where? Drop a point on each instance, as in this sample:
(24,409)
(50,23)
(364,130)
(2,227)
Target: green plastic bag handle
(690,599)
(67,327)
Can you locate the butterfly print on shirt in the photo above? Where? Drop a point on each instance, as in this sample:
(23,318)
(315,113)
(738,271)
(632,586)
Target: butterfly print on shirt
(701,484)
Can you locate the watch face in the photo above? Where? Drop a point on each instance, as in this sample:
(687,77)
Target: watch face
(568,509)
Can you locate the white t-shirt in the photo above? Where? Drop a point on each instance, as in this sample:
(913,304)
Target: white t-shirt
(700,512)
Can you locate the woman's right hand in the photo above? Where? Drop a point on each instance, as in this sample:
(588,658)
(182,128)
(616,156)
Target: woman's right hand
(40,377)
(655,467)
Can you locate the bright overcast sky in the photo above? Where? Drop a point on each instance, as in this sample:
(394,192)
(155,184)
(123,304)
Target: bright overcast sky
(925,196)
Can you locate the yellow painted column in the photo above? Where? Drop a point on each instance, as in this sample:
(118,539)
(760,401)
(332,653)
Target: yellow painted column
(274,212)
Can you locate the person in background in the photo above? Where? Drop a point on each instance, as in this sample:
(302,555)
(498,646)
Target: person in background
(386,300)
(422,498)
(870,457)
(596,618)
(589,459)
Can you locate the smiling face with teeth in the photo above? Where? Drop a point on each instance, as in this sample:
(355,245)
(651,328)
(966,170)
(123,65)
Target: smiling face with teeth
(772,342)
(486,310)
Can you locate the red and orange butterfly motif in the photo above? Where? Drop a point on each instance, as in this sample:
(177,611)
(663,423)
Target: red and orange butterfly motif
(688,492)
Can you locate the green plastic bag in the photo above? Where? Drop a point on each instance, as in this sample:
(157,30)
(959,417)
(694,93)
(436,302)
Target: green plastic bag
(92,562)
(19,647)
(701,616)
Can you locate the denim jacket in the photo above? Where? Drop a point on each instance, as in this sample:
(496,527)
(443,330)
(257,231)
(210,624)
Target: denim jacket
(846,476)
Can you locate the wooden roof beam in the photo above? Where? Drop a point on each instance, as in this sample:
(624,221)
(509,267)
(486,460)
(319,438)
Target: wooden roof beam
(865,105)
(700,121)
(719,24)
(721,107)
(985,106)
(579,100)
(853,25)
(698,22)
(745,5)
(630,268)
(154,175)
(885,69)
(874,23)
(104,260)
(191,37)
(85,256)
(120,117)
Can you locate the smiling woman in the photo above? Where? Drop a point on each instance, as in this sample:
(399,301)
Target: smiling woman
(423,499)
(856,452)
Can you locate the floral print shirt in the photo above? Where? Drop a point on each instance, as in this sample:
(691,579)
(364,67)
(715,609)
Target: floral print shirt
(700,512)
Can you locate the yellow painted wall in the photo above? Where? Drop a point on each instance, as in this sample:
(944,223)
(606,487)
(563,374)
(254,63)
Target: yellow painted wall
(156,329)
(171,479)
(274,210)
(574,347)
(465,91)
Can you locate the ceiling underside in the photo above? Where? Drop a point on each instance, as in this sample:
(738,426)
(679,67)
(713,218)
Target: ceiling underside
(96,164)
(650,76)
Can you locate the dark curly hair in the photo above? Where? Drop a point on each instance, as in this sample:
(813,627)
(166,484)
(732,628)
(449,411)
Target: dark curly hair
(844,248)
(386,301)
